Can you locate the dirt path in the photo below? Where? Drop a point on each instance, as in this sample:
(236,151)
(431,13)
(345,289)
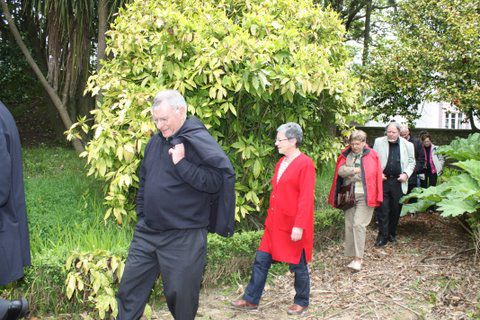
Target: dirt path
(429,274)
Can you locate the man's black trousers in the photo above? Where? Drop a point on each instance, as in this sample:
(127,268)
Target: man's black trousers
(389,214)
(178,256)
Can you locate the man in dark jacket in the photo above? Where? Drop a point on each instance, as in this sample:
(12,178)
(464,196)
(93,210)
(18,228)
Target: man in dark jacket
(14,240)
(187,186)
(419,157)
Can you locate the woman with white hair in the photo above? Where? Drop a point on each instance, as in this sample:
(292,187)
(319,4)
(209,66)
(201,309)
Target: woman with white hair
(288,235)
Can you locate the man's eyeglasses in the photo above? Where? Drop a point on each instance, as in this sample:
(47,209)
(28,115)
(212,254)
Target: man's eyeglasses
(280,140)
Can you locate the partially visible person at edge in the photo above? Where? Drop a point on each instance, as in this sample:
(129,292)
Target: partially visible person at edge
(187,186)
(397,157)
(288,234)
(414,180)
(14,239)
(358,164)
(434,162)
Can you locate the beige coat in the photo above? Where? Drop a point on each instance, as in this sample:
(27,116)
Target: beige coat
(407,156)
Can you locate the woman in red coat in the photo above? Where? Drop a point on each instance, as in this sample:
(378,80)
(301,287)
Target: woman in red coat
(288,235)
(358,165)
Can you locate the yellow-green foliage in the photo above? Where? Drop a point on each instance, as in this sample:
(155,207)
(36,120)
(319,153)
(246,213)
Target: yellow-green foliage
(93,277)
(245,67)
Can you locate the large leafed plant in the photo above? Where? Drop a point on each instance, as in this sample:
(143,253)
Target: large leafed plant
(245,67)
(459,193)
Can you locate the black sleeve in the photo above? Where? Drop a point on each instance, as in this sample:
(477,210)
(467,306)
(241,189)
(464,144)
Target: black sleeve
(419,157)
(200,177)
(141,177)
(5,172)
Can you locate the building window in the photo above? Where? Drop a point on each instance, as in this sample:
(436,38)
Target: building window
(453,120)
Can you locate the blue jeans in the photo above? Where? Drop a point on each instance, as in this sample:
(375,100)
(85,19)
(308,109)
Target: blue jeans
(260,268)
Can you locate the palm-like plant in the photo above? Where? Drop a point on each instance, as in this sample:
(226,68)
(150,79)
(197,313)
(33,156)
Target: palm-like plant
(73,31)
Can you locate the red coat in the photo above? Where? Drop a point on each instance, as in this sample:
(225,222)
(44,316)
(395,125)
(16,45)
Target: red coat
(291,205)
(372,173)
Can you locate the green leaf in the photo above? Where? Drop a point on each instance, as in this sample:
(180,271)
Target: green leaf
(453,207)
(257,168)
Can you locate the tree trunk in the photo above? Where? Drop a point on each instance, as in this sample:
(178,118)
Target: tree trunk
(101,45)
(366,37)
(51,92)
(102,29)
(471,117)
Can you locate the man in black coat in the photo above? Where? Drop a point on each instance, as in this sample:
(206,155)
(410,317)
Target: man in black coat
(14,240)
(419,157)
(187,187)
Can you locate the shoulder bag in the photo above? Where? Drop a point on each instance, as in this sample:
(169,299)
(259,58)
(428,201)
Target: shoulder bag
(346,197)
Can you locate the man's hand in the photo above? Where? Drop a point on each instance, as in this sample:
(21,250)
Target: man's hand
(177,152)
(384,177)
(296,234)
(402,177)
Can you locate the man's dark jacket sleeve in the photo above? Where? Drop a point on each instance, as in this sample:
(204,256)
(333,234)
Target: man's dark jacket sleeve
(141,186)
(200,177)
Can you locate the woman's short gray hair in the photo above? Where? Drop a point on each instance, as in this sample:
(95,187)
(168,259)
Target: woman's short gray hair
(358,135)
(292,130)
(172,97)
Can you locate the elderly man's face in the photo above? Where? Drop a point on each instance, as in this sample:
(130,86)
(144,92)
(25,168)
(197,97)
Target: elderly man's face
(404,133)
(167,120)
(392,133)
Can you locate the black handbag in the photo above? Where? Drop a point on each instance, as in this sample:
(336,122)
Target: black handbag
(346,197)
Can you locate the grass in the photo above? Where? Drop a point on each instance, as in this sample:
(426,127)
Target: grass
(65,212)
(65,207)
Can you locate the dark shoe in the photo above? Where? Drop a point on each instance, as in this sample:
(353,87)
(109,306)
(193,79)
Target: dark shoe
(241,304)
(17,309)
(392,239)
(380,242)
(295,309)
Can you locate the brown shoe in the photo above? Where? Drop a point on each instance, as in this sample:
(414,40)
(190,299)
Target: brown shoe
(295,309)
(241,304)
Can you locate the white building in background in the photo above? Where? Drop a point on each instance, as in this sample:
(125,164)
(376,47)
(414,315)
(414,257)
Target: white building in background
(435,115)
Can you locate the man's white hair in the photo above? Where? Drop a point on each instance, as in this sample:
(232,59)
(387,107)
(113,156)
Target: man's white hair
(172,97)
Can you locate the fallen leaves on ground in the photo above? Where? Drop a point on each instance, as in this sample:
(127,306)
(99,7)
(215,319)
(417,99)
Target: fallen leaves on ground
(430,273)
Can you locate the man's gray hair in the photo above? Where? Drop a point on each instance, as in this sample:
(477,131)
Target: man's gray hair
(404,127)
(172,97)
(292,130)
(393,123)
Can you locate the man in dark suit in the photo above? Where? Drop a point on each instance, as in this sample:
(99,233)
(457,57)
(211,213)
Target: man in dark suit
(187,186)
(397,157)
(14,241)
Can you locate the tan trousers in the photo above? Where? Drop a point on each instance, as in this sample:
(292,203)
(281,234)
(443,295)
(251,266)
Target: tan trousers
(356,222)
